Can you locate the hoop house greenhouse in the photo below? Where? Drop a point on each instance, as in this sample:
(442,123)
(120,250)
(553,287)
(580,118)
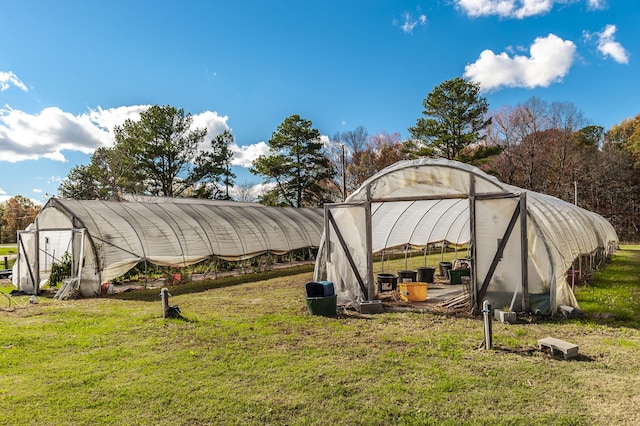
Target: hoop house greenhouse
(107,239)
(521,243)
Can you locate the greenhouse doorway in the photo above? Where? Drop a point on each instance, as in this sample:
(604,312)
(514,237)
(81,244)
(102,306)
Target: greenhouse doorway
(51,247)
(499,233)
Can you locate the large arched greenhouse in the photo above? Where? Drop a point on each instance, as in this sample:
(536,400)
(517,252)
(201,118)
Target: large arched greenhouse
(106,239)
(521,243)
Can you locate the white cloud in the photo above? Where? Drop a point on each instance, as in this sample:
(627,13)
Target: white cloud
(54,179)
(505,8)
(4,196)
(409,22)
(107,119)
(245,155)
(214,124)
(8,79)
(597,4)
(518,9)
(549,60)
(608,46)
(47,134)
(26,136)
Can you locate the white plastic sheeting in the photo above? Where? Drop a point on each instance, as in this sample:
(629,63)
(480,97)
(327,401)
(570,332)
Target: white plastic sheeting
(106,239)
(428,201)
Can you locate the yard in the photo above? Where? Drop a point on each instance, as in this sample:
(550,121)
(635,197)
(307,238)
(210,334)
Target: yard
(249,353)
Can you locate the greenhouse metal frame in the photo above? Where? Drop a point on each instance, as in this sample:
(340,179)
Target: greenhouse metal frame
(521,242)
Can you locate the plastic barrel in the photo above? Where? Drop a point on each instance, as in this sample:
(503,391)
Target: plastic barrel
(425,274)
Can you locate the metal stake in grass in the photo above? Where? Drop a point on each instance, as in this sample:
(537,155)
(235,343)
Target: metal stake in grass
(168,311)
(488,333)
(164,294)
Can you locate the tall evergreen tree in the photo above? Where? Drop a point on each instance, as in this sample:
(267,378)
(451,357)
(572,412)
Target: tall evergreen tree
(156,155)
(296,164)
(213,168)
(163,148)
(454,117)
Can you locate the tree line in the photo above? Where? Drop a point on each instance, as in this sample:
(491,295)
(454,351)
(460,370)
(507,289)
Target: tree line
(549,148)
(15,215)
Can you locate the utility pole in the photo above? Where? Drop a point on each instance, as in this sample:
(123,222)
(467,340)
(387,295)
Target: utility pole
(344,175)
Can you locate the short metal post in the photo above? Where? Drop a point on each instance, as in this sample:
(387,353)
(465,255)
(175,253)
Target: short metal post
(164,294)
(488,334)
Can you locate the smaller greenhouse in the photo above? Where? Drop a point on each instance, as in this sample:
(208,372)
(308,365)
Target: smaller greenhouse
(107,239)
(521,243)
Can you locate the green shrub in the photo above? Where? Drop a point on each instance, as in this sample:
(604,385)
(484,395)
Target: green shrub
(60,270)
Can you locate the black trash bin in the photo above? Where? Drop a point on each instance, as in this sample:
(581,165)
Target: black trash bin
(321,299)
(425,274)
(323,306)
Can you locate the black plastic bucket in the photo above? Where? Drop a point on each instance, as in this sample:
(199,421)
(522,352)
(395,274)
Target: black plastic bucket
(425,274)
(407,276)
(444,268)
(387,282)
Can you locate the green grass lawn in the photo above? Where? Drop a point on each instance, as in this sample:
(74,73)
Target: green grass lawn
(6,250)
(249,353)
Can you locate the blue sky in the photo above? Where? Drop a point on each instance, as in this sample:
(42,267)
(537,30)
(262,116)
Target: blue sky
(71,70)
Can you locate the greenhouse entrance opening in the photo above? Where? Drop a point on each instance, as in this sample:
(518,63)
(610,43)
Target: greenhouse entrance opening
(349,228)
(40,250)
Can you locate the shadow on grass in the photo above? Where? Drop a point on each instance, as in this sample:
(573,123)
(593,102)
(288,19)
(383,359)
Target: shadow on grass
(531,351)
(182,318)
